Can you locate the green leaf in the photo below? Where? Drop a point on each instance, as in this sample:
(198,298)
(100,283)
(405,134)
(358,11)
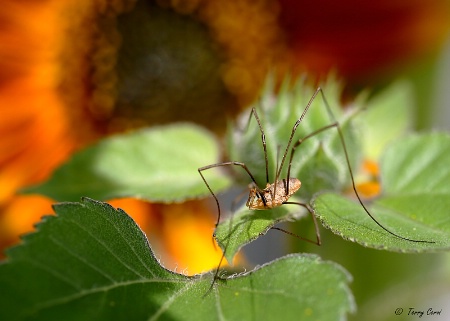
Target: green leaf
(92,262)
(158,164)
(415,203)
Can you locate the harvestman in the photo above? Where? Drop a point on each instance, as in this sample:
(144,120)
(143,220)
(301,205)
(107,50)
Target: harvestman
(278,193)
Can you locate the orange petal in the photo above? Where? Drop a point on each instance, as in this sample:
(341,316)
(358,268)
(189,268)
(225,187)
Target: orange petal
(187,234)
(371,167)
(369,189)
(20,215)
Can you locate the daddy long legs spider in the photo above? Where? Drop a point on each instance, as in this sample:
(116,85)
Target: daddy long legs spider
(277,193)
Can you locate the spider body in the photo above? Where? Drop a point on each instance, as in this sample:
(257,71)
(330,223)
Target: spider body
(274,195)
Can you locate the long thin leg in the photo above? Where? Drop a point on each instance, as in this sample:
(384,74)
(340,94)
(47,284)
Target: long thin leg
(294,129)
(344,147)
(336,125)
(209,188)
(263,139)
(230,225)
(316,226)
(276,176)
(298,143)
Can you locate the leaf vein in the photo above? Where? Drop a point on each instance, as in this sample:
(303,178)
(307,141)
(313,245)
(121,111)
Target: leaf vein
(85,292)
(218,304)
(52,272)
(139,257)
(82,259)
(113,254)
(169,301)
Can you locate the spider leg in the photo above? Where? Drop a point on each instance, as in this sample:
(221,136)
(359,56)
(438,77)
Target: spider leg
(316,226)
(334,124)
(294,129)
(263,140)
(347,160)
(298,143)
(232,163)
(216,273)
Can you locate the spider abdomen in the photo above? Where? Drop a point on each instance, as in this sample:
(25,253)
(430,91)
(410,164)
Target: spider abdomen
(273,195)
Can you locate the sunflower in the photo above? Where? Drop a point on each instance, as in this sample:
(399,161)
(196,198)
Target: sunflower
(80,70)
(73,72)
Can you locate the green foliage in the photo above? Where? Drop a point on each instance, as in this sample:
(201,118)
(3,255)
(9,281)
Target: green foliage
(320,165)
(414,203)
(247,225)
(158,164)
(92,262)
